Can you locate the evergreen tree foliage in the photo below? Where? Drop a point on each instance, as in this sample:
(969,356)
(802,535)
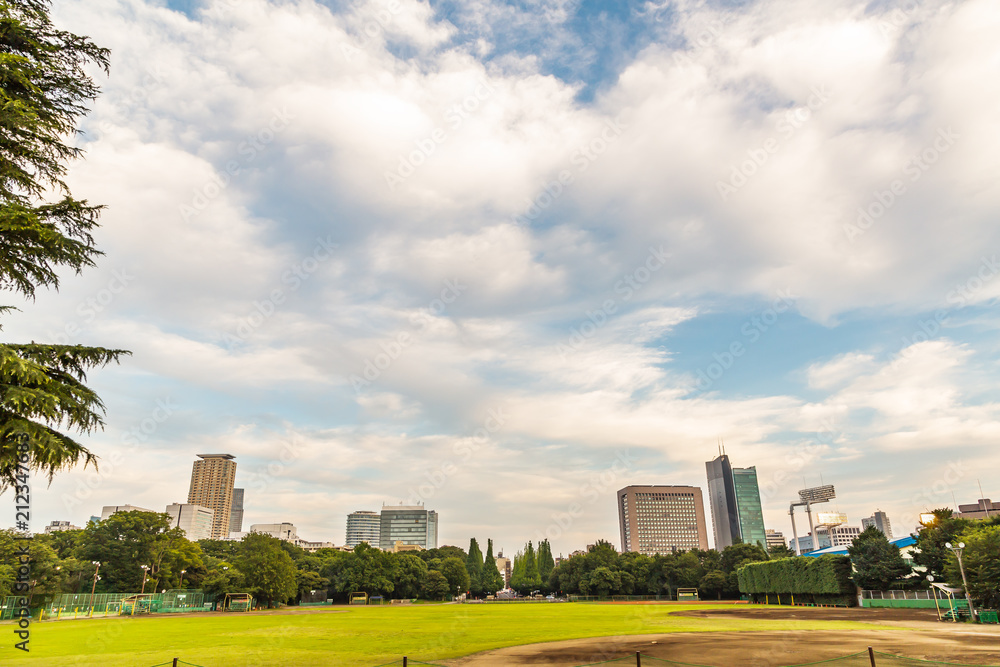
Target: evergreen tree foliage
(268,571)
(492,579)
(474,565)
(877,563)
(546,563)
(44,89)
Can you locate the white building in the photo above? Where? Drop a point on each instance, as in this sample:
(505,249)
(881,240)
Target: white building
(194,520)
(108,510)
(59,526)
(363,526)
(283,531)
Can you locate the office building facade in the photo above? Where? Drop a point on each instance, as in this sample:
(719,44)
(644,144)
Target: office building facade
(734,501)
(363,526)
(661,519)
(722,502)
(59,527)
(236,512)
(212,486)
(407,524)
(194,520)
(881,521)
(751,515)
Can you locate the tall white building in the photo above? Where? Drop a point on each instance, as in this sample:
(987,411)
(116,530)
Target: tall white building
(194,520)
(363,526)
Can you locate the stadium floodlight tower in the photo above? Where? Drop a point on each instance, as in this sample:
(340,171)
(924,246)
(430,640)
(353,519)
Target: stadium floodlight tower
(810,497)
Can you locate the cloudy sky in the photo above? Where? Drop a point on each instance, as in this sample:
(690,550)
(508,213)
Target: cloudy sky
(504,257)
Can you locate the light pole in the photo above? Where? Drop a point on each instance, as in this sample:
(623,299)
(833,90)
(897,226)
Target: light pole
(93,588)
(145,569)
(182,578)
(958,554)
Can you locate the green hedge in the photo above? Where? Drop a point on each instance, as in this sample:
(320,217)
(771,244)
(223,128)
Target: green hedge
(823,576)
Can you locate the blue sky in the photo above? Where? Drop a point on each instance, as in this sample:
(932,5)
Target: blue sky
(358,243)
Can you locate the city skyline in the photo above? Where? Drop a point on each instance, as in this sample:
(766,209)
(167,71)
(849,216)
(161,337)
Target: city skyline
(506,260)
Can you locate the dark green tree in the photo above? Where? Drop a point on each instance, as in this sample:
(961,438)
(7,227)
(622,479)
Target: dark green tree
(268,571)
(930,549)
(603,581)
(877,563)
(532,579)
(44,91)
(454,571)
(436,586)
(713,583)
(365,569)
(126,541)
(546,563)
(780,551)
(492,579)
(411,572)
(981,559)
(474,565)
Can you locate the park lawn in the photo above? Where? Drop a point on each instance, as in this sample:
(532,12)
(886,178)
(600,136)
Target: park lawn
(357,635)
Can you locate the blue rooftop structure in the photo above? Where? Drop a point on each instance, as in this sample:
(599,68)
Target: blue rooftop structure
(899,542)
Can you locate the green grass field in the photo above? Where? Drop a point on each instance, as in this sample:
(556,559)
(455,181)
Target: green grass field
(355,635)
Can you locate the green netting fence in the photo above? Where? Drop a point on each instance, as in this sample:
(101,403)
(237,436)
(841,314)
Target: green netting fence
(862,659)
(80,605)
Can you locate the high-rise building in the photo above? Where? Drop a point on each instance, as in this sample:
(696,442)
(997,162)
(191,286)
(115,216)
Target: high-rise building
(734,499)
(194,520)
(881,521)
(748,506)
(722,502)
(363,526)
(661,519)
(408,524)
(236,512)
(212,487)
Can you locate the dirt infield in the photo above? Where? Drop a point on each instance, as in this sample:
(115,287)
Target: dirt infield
(917,637)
